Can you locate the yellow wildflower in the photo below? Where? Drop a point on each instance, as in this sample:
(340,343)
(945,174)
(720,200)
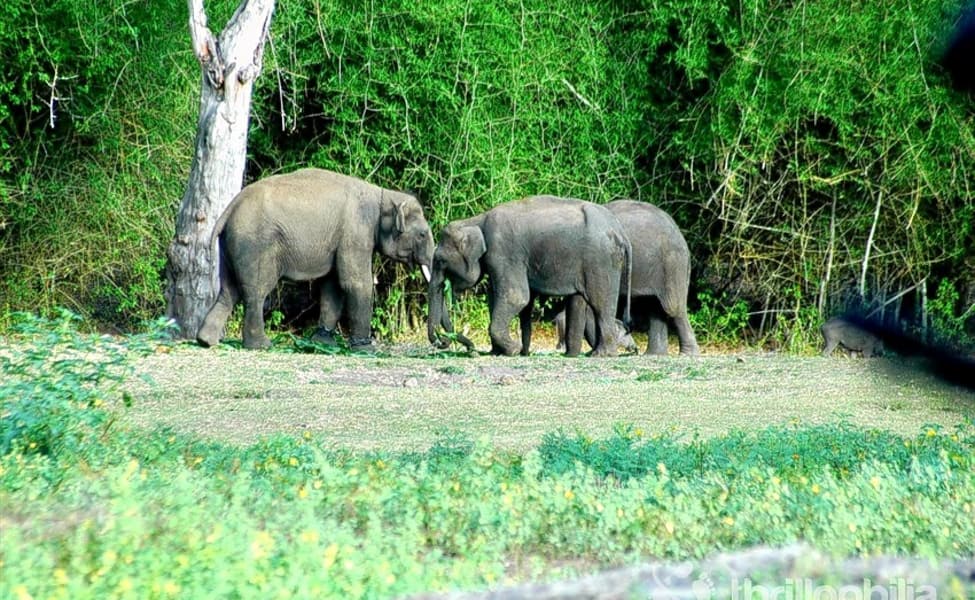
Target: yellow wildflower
(816,489)
(569,495)
(729,521)
(328,558)
(293,461)
(21,593)
(875,482)
(215,534)
(309,536)
(261,545)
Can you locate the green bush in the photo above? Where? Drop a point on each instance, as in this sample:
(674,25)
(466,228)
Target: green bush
(808,152)
(92,511)
(58,384)
(719,321)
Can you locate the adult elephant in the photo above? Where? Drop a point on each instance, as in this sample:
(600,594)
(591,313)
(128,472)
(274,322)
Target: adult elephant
(540,245)
(661,275)
(306,225)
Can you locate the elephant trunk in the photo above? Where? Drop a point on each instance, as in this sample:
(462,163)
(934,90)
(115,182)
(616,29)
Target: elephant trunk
(439,315)
(438,310)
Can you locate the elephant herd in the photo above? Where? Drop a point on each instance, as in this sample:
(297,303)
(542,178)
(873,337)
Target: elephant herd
(606,260)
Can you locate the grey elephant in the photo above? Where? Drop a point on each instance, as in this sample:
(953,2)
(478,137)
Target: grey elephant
(536,246)
(841,332)
(623,338)
(312,224)
(661,274)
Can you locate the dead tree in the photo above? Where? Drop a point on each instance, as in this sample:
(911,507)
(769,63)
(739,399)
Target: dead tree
(230,64)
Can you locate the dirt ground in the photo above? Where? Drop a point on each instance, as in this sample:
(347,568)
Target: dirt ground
(406,396)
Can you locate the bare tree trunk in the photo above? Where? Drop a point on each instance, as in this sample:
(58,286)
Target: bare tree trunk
(230,65)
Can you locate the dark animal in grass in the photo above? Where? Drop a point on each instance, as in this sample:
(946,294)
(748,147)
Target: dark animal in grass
(942,361)
(840,332)
(312,224)
(536,246)
(623,339)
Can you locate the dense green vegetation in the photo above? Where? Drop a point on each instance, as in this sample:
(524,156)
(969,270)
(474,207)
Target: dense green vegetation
(94,510)
(811,151)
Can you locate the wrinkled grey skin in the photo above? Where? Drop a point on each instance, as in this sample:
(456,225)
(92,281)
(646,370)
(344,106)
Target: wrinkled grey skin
(537,246)
(623,339)
(840,332)
(307,225)
(661,270)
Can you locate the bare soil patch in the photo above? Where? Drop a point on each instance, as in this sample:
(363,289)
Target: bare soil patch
(404,398)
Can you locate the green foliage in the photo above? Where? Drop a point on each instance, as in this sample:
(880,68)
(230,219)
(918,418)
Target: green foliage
(719,320)
(799,451)
(947,321)
(782,137)
(57,383)
(89,186)
(93,511)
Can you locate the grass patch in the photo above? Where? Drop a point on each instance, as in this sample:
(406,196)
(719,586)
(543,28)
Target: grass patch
(127,511)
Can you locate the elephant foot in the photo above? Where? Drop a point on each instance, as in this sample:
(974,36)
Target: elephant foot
(325,337)
(691,351)
(208,336)
(257,343)
(362,345)
(604,353)
(504,350)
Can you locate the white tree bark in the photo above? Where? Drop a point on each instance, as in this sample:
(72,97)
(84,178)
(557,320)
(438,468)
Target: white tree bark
(230,64)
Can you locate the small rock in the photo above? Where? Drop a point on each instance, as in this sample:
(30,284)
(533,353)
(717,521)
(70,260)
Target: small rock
(411,382)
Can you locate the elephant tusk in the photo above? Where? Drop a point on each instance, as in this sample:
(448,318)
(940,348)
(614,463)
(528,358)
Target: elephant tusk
(426,272)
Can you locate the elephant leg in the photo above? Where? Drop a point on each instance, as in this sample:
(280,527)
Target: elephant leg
(332,301)
(591,333)
(685,333)
(657,336)
(359,301)
(255,337)
(575,324)
(606,331)
(355,277)
(212,329)
(560,330)
(509,300)
(525,320)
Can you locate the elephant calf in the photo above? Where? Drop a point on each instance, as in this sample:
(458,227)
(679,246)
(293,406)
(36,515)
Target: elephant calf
(623,339)
(840,332)
(312,224)
(536,246)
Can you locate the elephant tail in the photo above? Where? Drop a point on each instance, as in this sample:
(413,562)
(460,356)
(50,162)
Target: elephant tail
(221,223)
(626,282)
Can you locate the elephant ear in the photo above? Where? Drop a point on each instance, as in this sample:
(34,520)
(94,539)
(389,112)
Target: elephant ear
(472,245)
(395,208)
(400,215)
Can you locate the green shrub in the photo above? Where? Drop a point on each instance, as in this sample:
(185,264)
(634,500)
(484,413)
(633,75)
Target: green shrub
(58,383)
(719,321)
